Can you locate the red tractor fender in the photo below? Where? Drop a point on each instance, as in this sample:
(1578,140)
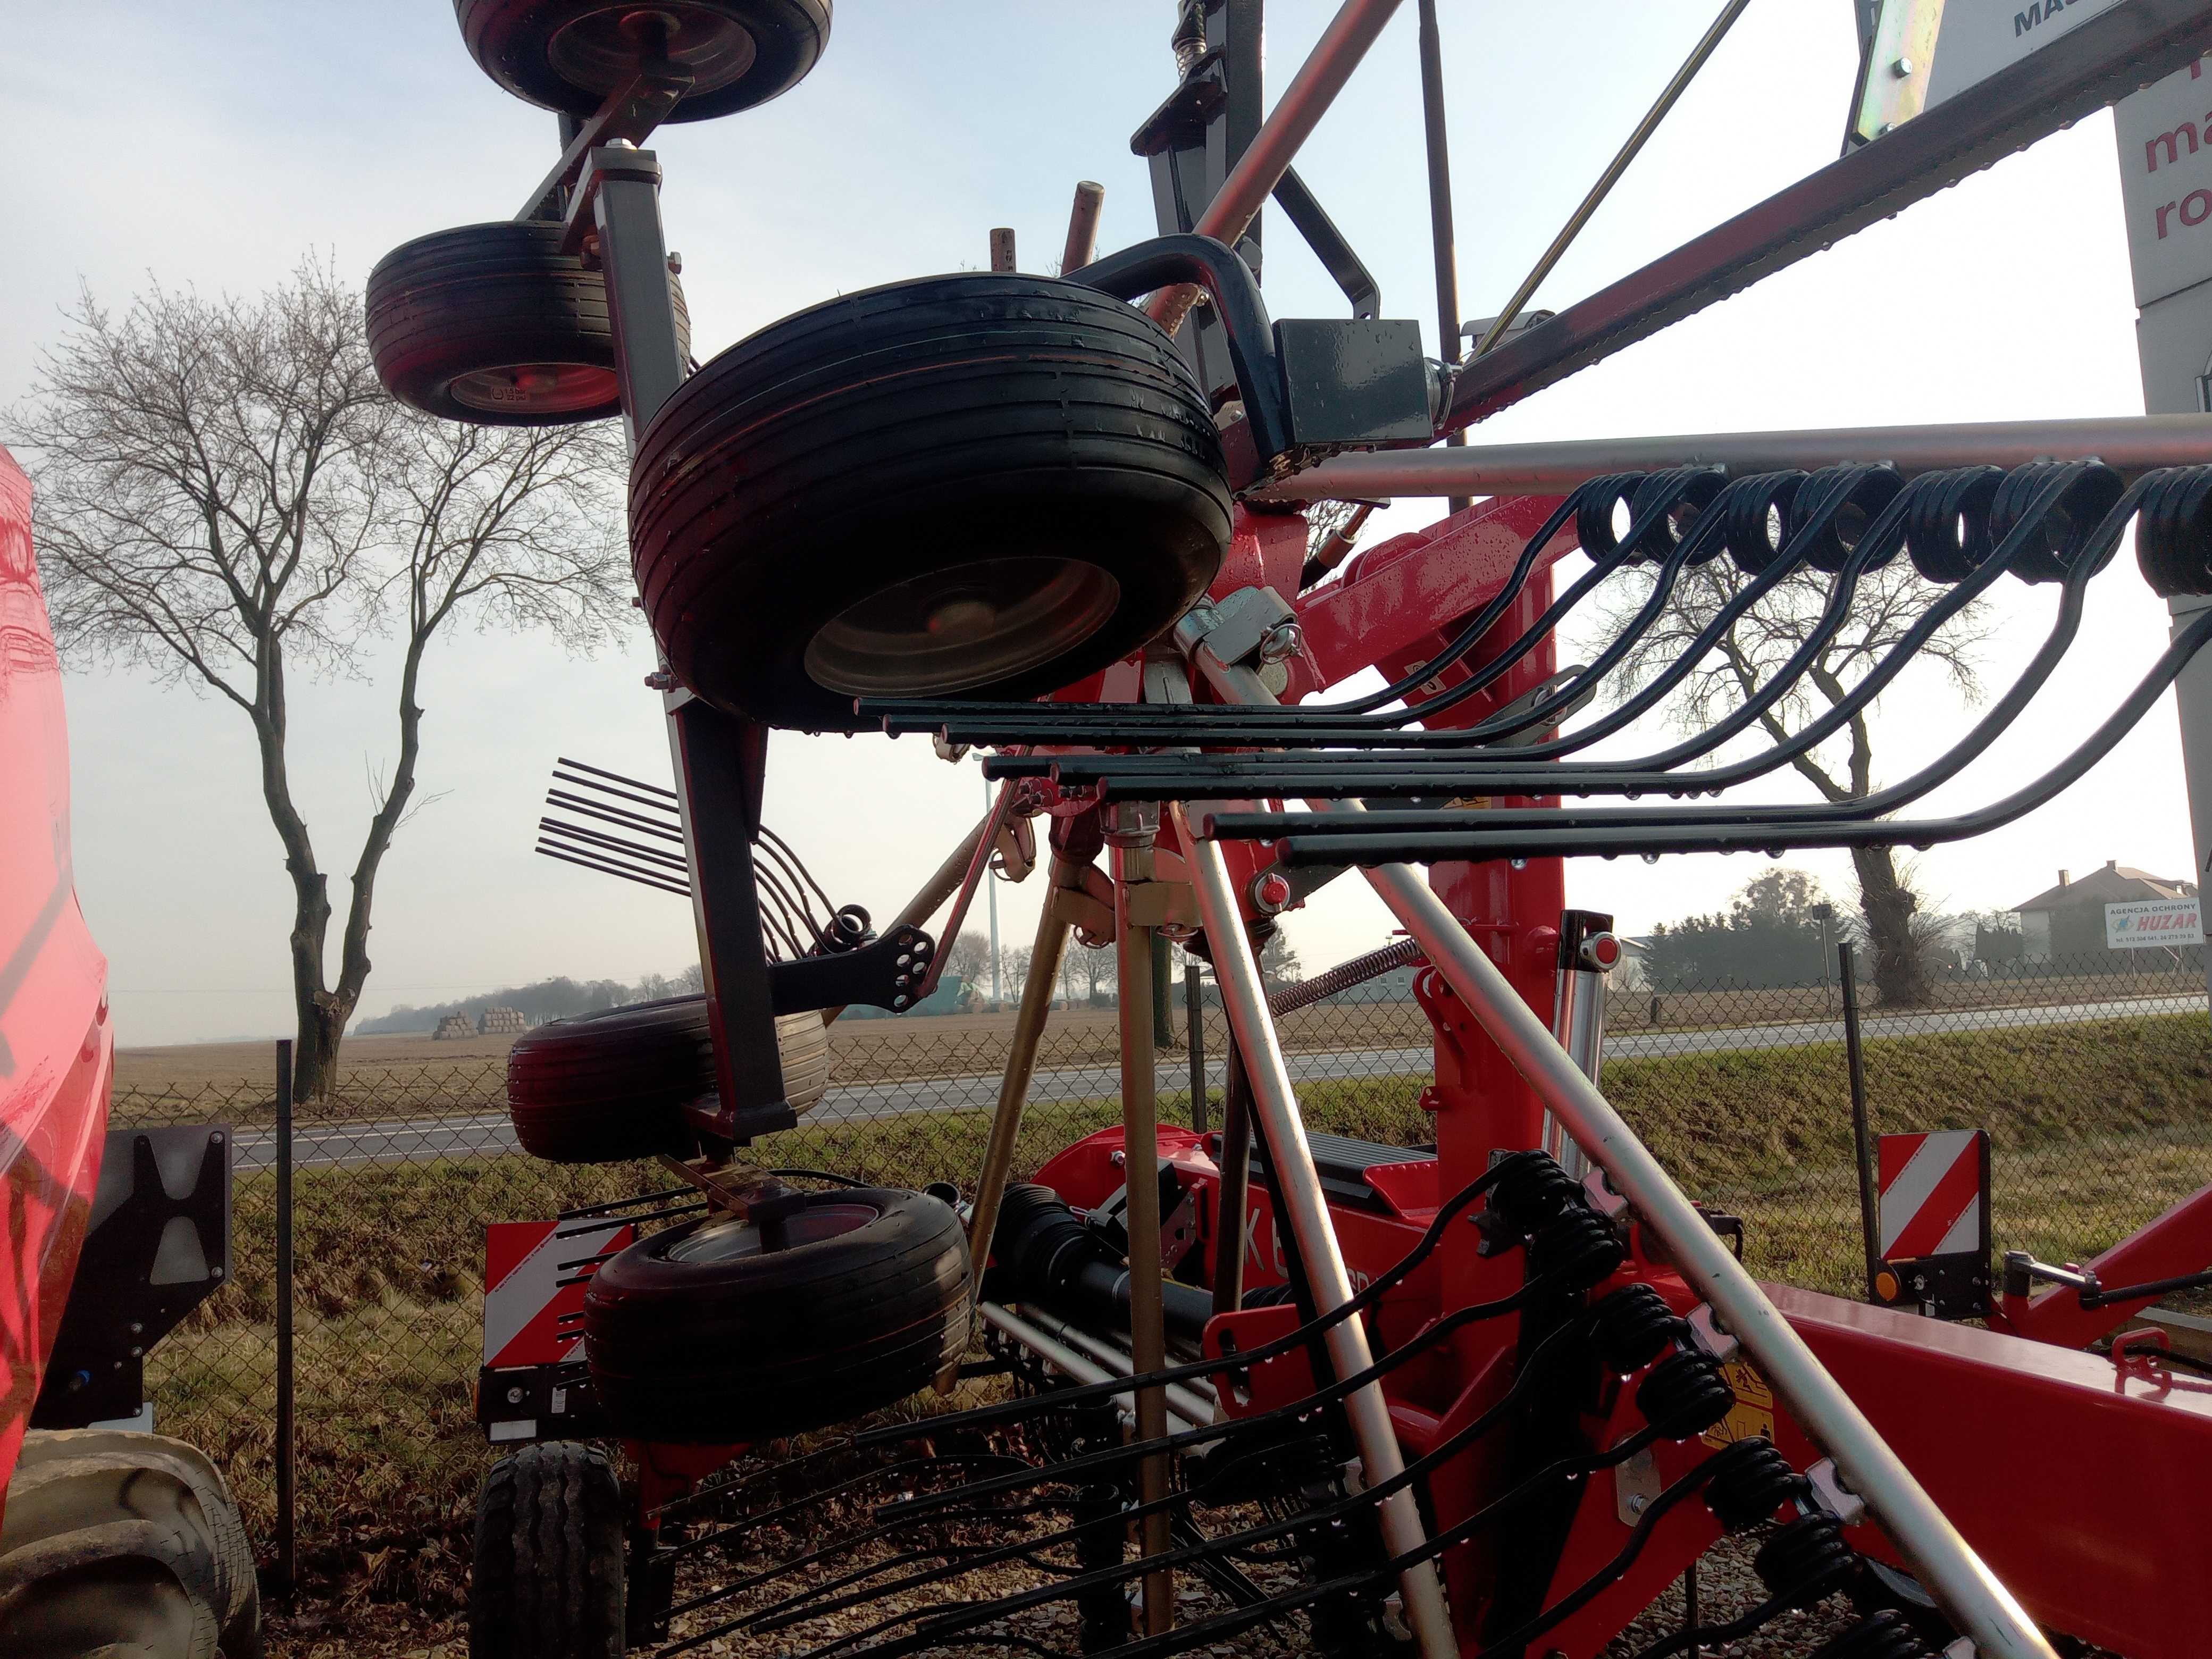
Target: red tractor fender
(57,1051)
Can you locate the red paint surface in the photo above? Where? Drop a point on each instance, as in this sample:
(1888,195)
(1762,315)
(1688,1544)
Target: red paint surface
(57,1052)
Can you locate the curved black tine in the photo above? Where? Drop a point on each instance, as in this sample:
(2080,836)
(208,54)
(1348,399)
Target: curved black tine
(2091,556)
(2045,489)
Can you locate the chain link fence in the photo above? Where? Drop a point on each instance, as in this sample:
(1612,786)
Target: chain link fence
(2094,1078)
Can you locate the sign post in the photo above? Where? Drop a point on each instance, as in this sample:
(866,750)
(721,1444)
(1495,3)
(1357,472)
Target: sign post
(2165,137)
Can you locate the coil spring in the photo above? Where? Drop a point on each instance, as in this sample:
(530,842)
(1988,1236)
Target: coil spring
(1634,1325)
(1684,493)
(848,930)
(1530,1190)
(1579,1247)
(1750,1480)
(1684,1394)
(1867,490)
(1946,529)
(1880,1636)
(2173,536)
(1601,498)
(1759,523)
(1805,1561)
(2059,537)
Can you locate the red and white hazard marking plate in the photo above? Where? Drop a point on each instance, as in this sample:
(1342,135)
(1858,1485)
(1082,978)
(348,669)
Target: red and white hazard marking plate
(524,1296)
(1935,1194)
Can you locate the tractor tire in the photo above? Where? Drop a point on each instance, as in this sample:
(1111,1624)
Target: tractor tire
(494,325)
(983,485)
(77,1485)
(546,1579)
(610,1087)
(568,55)
(700,1335)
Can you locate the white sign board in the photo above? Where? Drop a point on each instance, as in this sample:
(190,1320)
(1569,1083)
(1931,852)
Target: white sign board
(2152,924)
(1980,37)
(2165,134)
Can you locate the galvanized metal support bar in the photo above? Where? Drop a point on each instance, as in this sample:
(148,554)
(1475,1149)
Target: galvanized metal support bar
(2130,444)
(1148,1344)
(1305,1213)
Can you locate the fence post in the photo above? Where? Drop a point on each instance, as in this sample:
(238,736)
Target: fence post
(287,1541)
(1193,1021)
(1162,994)
(1862,1144)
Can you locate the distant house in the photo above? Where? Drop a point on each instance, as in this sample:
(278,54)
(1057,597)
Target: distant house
(2068,920)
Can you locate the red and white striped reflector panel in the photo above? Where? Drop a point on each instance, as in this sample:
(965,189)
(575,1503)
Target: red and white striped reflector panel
(523,1298)
(1933,1200)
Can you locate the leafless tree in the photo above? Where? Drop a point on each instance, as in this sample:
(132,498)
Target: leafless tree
(1885,606)
(228,496)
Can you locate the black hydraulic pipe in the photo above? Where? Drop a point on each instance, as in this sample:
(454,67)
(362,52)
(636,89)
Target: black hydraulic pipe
(1214,266)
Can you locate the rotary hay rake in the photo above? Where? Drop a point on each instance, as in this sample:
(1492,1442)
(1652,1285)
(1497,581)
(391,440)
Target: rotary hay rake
(1489,1398)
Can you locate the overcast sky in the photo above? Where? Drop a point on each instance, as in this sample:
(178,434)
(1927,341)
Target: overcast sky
(214,144)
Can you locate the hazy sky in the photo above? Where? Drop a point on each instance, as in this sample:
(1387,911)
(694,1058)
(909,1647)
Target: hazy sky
(214,144)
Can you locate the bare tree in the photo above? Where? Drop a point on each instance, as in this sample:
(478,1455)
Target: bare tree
(228,495)
(1884,607)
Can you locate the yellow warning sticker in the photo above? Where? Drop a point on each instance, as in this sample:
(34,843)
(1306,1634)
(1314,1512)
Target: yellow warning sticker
(1754,1410)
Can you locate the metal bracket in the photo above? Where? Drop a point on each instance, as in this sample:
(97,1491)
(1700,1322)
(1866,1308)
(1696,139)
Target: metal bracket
(148,1260)
(632,110)
(1831,1496)
(1718,1345)
(887,973)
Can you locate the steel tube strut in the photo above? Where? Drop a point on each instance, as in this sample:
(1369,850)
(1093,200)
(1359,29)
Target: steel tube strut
(1304,102)
(1305,1212)
(1966,1589)
(1140,1148)
(2130,444)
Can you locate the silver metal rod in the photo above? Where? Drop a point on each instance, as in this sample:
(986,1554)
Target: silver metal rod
(1957,1577)
(1184,1402)
(1275,1111)
(1611,176)
(2132,443)
(1578,1026)
(1272,148)
(1141,1146)
(1443,241)
(1055,1353)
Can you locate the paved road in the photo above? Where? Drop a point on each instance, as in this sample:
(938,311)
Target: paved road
(403,1141)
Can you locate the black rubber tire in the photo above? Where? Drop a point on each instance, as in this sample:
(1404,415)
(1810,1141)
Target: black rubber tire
(609,1087)
(569,54)
(494,325)
(749,1346)
(931,432)
(547,1577)
(65,1471)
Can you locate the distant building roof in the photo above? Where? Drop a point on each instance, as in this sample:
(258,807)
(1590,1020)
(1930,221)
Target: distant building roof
(2113,885)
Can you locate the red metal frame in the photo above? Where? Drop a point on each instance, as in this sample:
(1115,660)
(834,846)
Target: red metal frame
(2080,1481)
(57,1048)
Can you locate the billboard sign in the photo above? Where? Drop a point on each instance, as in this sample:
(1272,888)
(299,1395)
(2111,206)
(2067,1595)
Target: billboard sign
(2150,923)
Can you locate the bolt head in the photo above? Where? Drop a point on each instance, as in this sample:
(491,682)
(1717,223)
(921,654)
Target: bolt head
(1902,68)
(1271,891)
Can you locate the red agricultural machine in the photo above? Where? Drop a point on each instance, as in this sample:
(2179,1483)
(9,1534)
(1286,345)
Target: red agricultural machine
(1486,1398)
